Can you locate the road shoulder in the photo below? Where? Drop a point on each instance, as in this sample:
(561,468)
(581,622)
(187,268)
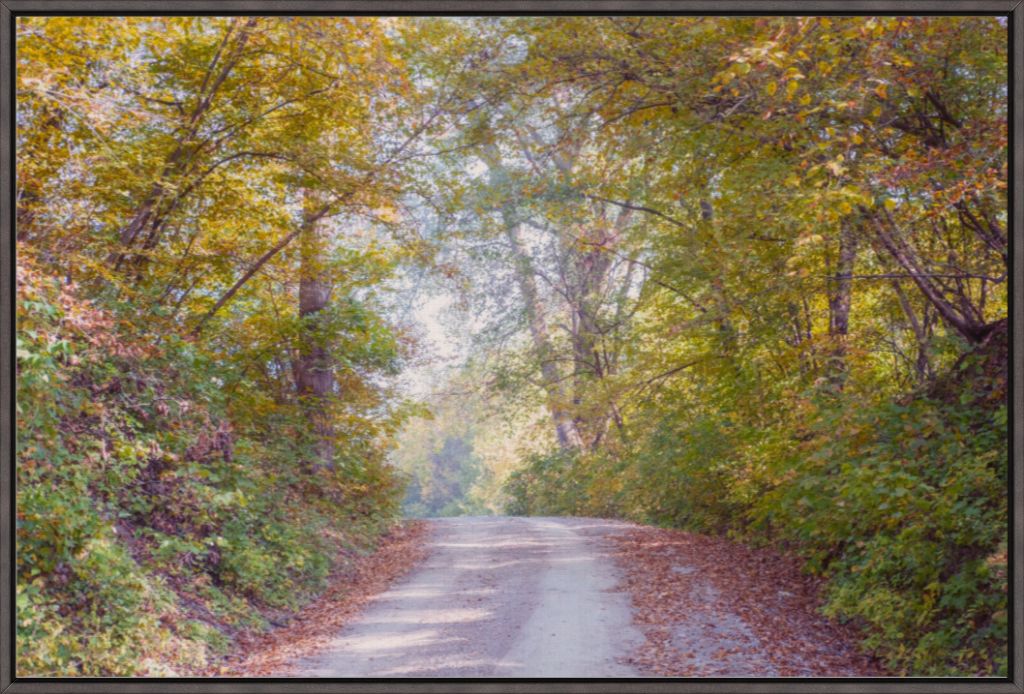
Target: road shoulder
(711,607)
(311,629)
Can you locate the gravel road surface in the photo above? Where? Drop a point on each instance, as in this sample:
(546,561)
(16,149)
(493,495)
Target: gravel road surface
(496,597)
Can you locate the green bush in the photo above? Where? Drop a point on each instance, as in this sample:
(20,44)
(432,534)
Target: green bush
(905,511)
(553,484)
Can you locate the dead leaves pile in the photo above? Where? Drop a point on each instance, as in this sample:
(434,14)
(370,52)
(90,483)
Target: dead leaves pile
(309,631)
(678,578)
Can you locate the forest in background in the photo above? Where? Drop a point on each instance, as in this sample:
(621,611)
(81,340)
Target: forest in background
(734,275)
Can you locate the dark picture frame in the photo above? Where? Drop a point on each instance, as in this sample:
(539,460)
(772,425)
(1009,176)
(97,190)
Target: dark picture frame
(11,9)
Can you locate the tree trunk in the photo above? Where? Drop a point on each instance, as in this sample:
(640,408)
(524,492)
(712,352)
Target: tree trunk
(839,304)
(962,320)
(922,365)
(591,268)
(567,434)
(314,369)
(551,380)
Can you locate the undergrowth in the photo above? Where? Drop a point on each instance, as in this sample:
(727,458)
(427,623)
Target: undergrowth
(152,529)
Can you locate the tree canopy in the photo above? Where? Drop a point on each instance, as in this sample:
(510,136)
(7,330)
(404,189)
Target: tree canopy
(741,275)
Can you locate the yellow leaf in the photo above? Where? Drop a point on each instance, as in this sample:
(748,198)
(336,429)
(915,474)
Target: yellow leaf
(771,88)
(836,168)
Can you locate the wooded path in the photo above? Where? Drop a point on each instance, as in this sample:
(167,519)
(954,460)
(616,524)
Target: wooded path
(496,597)
(526,597)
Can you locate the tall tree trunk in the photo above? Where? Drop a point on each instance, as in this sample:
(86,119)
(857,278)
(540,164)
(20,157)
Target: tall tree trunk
(551,379)
(314,368)
(839,300)
(565,430)
(591,268)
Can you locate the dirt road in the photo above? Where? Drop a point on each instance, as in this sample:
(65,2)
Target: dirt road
(496,597)
(545,597)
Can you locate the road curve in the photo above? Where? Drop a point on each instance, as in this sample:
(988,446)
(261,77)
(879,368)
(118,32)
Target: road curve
(495,597)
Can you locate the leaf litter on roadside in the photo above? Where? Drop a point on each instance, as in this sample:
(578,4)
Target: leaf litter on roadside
(696,586)
(271,653)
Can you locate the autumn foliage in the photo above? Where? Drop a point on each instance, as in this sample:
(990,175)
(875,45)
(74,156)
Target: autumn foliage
(172,494)
(741,276)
